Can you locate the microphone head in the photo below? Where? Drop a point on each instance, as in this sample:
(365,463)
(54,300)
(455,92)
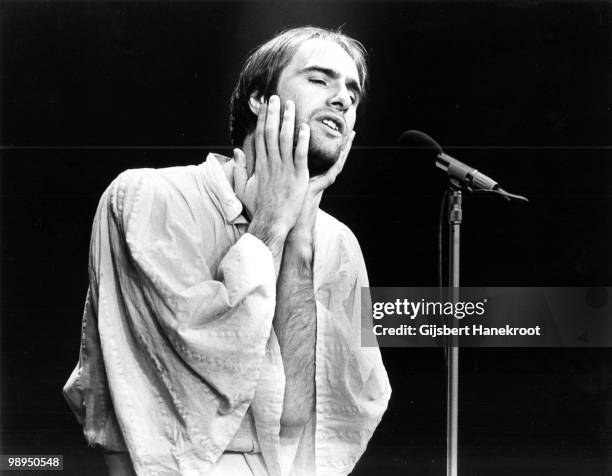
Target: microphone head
(414,138)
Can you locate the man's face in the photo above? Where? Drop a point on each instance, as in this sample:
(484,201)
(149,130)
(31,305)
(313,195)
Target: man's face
(322,80)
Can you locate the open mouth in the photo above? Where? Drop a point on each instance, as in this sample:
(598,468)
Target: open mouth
(331,124)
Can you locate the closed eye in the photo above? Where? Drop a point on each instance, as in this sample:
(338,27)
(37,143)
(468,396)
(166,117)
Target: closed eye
(317,81)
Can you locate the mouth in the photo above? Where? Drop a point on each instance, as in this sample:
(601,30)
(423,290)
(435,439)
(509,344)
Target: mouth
(332,123)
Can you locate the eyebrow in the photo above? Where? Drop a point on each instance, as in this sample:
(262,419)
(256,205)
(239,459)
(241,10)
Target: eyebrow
(350,82)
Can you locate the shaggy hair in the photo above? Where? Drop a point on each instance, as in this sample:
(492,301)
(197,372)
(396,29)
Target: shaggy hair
(264,65)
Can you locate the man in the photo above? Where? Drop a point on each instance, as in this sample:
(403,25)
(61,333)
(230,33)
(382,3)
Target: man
(221,333)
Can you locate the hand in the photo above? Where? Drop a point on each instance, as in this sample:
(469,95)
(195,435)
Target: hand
(304,227)
(282,175)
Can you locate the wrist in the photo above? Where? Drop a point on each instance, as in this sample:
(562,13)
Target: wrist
(300,245)
(302,234)
(271,234)
(300,237)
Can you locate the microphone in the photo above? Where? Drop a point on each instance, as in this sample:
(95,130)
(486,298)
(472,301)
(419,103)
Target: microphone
(460,173)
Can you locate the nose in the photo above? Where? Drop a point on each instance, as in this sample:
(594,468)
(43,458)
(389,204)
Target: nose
(341,98)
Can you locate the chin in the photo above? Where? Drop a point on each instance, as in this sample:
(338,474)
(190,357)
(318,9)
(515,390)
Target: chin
(321,158)
(318,166)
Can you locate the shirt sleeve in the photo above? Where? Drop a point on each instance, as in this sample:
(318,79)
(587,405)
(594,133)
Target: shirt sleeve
(184,317)
(217,321)
(352,387)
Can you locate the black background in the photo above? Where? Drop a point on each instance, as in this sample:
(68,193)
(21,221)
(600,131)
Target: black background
(520,90)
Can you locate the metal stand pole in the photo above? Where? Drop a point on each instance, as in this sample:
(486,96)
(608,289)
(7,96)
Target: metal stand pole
(452,350)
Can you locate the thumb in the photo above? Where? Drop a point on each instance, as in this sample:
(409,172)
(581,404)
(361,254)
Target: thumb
(240,171)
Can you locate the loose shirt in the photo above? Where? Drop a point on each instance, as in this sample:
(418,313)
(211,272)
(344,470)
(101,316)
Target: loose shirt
(177,340)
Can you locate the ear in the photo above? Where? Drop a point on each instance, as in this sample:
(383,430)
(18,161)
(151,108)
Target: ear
(255,101)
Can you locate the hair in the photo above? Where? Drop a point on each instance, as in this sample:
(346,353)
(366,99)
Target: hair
(264,65)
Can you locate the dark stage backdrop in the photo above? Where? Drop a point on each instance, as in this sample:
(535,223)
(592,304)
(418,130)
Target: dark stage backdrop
(519,89)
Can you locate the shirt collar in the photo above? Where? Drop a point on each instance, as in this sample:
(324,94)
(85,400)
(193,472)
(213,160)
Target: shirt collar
(219,181)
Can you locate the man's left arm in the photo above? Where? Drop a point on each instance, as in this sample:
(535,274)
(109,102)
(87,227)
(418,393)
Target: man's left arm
(295,324)
(295,318)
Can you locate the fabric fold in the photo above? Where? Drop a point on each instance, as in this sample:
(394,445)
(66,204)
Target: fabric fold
(177,343)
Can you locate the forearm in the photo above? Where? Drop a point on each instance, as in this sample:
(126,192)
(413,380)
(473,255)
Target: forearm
(295,326)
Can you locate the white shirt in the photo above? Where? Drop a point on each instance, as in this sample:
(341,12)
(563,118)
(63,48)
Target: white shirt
(177,338)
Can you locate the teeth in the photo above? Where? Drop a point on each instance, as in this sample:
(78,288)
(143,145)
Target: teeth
(330,123)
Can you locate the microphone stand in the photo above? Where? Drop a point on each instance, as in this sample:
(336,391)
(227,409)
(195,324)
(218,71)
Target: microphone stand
(466,177)
(452,349)
(455,217)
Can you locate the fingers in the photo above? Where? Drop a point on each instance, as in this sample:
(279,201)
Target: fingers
(301,149)
(271,129)
(240,171)
(274,143)
(286,133)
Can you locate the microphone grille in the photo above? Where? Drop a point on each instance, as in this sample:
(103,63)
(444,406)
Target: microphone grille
(413,138)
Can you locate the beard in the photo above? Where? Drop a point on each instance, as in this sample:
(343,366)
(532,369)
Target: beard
(322,154)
